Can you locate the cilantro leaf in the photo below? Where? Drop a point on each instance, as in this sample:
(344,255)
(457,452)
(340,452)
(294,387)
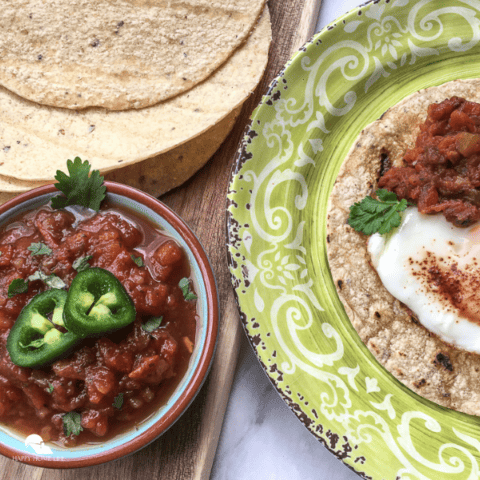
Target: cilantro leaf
(152,324)
(386,195)
(137,260)
(39,249)
(79,188)
(118,401)
(51,281)
(184,284)
(81,264)
(19,285)
(72,423)
(51,388)
(370,215)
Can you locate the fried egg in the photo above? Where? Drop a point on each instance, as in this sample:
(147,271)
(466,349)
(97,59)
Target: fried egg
(433,268)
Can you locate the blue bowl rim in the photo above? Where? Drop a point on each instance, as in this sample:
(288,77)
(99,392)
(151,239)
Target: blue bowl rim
(206,355)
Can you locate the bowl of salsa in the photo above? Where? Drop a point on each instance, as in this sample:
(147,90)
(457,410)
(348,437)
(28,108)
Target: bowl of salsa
(125,371)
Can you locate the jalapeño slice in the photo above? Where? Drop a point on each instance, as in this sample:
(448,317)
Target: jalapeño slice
(97,303)
(33,340)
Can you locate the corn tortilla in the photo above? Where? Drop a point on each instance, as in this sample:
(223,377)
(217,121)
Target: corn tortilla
(117,54)
(160,174)
(35,141)
(417,358)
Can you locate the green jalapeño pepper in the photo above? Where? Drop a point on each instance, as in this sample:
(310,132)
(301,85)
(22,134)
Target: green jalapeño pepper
(97,302)
(33,340)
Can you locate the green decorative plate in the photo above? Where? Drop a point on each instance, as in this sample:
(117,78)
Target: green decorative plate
(351,72)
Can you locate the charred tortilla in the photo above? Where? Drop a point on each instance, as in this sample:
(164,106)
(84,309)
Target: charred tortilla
(416,357)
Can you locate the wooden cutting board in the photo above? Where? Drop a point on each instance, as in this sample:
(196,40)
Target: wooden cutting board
(187,450)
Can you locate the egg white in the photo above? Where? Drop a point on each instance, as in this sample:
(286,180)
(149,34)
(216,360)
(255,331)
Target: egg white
(408,261)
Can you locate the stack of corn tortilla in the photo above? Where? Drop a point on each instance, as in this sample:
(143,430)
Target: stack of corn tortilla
(146,90)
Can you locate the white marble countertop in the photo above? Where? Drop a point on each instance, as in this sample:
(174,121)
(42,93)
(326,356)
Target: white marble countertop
(261,437)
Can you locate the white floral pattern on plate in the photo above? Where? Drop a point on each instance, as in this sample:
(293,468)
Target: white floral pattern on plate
(346,77)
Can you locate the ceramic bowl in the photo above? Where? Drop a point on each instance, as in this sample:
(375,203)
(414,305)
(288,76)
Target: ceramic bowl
(15,446)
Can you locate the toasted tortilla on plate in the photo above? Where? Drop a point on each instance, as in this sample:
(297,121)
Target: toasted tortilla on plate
(432,369)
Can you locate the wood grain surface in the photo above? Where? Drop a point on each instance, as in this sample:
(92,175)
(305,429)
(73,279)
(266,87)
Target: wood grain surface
(187,450)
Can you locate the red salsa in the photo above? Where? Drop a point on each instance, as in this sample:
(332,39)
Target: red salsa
(115,381)
(442,172)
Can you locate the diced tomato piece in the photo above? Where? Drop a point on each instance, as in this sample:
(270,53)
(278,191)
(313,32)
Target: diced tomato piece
(114,356)
(95,421)
(100,381)
(75,367)
(151,370)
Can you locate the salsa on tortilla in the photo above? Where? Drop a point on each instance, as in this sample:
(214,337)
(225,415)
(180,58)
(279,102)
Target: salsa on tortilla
(442,171)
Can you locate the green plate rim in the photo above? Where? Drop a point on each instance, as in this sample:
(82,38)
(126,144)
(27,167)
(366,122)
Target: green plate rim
(330,439)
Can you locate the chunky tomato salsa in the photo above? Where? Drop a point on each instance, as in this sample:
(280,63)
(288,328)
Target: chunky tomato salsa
(442,172)
(106,384)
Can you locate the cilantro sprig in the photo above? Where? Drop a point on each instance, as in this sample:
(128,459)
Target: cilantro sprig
(39,249)
(152,324)
(17,286)
(81,264)
(51,280)
(72,423)
(184,285)
(137,260)
(380,215)
(118,401)
(81,187)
